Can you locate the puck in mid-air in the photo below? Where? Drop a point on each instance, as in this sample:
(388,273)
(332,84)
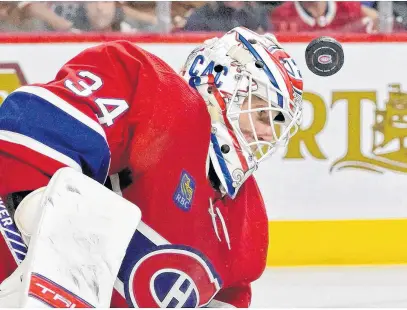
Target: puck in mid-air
(324,56)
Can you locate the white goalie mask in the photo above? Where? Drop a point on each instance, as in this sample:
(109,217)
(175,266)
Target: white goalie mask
(253,90)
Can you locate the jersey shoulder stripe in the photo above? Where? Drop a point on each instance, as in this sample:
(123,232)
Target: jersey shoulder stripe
(66,132)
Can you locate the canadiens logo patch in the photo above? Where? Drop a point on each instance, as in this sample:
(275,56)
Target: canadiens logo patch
(185,192)
(171,276)
(156,274)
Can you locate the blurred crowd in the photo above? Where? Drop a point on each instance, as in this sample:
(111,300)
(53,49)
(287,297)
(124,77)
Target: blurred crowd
(204,16)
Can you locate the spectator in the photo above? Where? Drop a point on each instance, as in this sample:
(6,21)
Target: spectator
(77,15)
(324,15)
(225,15)
(12,17)
(50,19)
(369,4)
(8,19)
(5,9)
(182,10)
(104,15)
(400,12)
(138,19)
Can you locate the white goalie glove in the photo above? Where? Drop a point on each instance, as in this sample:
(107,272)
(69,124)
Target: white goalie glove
(78,232)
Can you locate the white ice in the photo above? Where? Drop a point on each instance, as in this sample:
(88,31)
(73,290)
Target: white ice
(330,287)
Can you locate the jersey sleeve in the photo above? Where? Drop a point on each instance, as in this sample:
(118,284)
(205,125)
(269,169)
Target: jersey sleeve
(71,120)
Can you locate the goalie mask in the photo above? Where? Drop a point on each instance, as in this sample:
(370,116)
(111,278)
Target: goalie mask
(253,90)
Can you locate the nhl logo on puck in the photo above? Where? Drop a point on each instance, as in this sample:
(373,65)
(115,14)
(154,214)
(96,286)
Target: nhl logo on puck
(324,56)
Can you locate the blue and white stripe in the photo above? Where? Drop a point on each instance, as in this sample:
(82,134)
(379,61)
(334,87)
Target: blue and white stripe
(223,166)
(11,234)
(275,79)
(40,120)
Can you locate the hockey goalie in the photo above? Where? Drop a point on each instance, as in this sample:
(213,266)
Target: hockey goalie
(125,184)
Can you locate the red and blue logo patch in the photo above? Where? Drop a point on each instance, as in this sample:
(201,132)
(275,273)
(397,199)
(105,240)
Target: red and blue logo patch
(167,275)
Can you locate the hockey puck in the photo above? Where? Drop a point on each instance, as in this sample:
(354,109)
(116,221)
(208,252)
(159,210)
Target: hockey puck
(324,56)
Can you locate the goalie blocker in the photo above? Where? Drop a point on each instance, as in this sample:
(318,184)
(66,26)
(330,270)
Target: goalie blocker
(75,247)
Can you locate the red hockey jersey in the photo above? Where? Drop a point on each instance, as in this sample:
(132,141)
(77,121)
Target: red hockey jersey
(123,117)
(339,16)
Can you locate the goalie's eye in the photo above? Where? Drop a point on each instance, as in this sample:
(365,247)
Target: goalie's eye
(263,116)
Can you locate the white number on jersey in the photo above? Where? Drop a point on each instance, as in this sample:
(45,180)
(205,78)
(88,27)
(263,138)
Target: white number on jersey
(109,108)
(119,106)
(85,89)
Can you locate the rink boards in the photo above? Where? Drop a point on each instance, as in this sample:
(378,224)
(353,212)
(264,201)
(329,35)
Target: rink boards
(337,195)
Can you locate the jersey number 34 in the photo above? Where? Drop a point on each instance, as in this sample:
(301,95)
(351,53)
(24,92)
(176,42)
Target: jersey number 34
(109,108)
